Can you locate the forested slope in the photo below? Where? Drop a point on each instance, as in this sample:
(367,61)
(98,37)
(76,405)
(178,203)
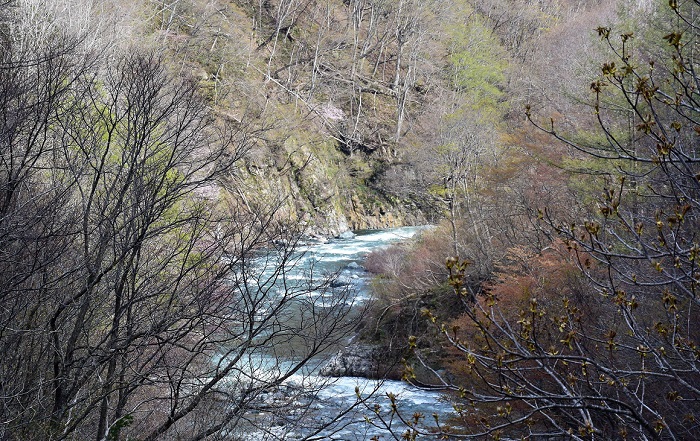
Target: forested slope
(565,309)
(354,109)
(153,151)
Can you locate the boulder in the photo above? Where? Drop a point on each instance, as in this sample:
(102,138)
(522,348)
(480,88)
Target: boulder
(355,266)
(353,361)
(340,281)
(346,235)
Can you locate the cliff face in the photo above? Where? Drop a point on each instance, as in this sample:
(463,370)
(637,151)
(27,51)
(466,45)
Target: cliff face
(315,189)
(327,95)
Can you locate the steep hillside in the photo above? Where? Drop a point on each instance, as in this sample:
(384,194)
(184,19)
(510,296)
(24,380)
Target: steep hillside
(358,110)
(353,110)
(327,92)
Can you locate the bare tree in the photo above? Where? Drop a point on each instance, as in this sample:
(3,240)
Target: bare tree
(139,299)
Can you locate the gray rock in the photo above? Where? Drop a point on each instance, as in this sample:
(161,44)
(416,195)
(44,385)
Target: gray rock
(340,281)
(353,361)
(346,235)
(316,239)
(355,266)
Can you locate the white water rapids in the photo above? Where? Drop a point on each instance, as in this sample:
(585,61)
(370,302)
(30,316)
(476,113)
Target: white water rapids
(330,400)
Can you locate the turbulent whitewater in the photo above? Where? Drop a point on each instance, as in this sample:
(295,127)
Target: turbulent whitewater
(349,408)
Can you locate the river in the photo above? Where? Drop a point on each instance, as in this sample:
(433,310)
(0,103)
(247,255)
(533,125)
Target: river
(346,406)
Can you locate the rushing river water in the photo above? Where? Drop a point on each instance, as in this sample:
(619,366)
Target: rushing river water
(332,397)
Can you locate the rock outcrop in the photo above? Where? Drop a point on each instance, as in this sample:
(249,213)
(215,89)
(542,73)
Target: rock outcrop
(354,361)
